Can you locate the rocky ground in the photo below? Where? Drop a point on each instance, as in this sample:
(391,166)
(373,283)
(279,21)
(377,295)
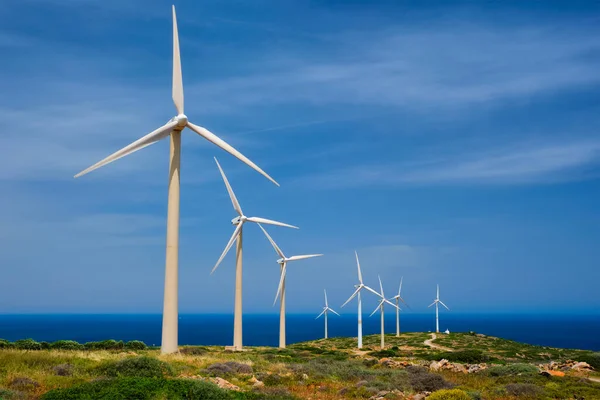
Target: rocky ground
(412,366)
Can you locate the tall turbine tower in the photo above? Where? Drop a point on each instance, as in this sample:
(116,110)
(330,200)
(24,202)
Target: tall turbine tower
(173,129)
(359,287)
(237,234)
(326,309)
(436,302)
(281,289)
(398,298)
(380,307)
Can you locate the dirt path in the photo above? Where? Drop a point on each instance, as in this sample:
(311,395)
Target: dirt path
(429,343)
(594,379)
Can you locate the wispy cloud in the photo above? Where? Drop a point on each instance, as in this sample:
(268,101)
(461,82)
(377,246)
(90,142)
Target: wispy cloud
(542,163)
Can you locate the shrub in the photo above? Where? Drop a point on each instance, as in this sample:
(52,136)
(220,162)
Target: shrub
(239,368)
(523,390)
(449,394)
(193,351)
(5,344)
(6,394)
(140,389)
(512,369)
(279,393)
(383,353)
(105,345)
(466,356)
(23,383)
(324,368)
(592,359)
(219,369)
(27,344)
(63,370)
(66,345)
(422,380)
(144,367)
(135,345)
(45,345)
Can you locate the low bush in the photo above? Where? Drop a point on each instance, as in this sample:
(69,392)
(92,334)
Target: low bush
(23,383)
(140,389)
(466,356)
(528,390)
(449,394)
(383,353)
(135,345)
(422,380)
(143,367)
(512,370)
(324,368)
(592,359)
(66,345)
(105,345)
(27,344)
(63,370)
(193,351)
(6,394)
(5,344)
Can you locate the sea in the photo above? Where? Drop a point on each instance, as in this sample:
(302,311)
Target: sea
(561,330)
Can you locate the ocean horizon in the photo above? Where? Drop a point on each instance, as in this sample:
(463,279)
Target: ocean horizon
(555,330)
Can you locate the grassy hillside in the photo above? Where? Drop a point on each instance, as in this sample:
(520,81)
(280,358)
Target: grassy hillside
(478,367)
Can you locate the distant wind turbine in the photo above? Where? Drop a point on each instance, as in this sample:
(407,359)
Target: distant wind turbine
(173,129)
(326,309)
(281,289)
(359,287)
(237,234)
(380,307)
(436,302)
(398,298)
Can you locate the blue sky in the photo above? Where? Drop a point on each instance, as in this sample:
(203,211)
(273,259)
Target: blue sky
(448,143)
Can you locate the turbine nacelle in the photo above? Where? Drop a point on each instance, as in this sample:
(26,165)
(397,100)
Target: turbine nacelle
(239,219)
(281,261)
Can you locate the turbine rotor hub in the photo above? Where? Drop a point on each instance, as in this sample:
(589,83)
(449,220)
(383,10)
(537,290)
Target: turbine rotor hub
(182,120)
(238,220)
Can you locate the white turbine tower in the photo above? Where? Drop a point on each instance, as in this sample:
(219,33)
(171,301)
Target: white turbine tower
(398,299)
(173,129)
(359,287)
(380,307)
(281,289)
(239,222)
(437,301)
(326,309)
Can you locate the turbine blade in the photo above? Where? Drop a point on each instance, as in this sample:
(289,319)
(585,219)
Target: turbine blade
(358,265)
(295,258)
(234,200)
(279,289)
(438,292)
(444,305)
(214,139)
(431,304)
(322,312)
(351,297)
(400,290)
(177,79)
(277,249)
(260,220)
(236,233)
(326,305)
(372,291)
(381,286)
(376,308)
(333,311)
(147,140)
(392,304)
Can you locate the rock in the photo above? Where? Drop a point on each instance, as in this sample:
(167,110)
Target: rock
(556,373)
(419,396)
(582,366)
(63,369)
(323,388)
(304,377)
(361,383)
(474,368)
(256,383)
(455,367)
(224,384)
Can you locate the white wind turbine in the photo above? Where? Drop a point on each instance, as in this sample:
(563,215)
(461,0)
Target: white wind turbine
(398,298)
(359,287)
(281,289)
(380,307)
(436,302)
(326,309)
(173,129)
(239,221)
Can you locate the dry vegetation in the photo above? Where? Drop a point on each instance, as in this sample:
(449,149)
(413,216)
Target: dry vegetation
(322,369)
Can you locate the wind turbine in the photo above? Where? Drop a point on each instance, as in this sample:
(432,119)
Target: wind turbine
(173,129)
(326,309)
(281,289)
(239,222)
(436,302)
(380,307)
(359,287)
(398,298)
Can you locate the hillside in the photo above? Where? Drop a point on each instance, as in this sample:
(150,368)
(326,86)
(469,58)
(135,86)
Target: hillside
(413,366)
